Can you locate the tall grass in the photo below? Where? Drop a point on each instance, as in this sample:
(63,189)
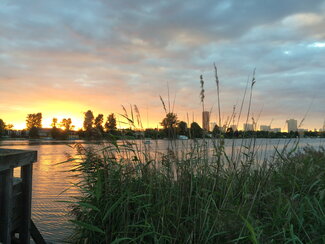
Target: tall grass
(127,196)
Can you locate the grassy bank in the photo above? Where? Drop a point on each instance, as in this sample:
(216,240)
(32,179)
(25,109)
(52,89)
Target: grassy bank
(131,196)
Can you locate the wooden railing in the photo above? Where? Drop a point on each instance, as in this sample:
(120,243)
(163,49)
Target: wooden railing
(16,196)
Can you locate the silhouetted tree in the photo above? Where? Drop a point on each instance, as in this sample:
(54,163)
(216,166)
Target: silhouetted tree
(67,124)
(88,121)
(55,132)
(216,131)
(169,123)
(151,133)
(54,122)
(110,124)
(99,120)
(229,132)
(33,124)
(34,120)
(2,127)
(196,130)
(182,128)
(9,126)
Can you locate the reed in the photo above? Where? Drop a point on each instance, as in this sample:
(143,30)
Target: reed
(129,197)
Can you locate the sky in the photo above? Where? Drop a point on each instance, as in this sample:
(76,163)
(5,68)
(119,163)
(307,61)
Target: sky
(64,57)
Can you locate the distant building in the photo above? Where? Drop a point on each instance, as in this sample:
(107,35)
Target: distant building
(265,128)
(44,132)
(206,120)
(292,125)
(275,129)
(73,135)
(248,127)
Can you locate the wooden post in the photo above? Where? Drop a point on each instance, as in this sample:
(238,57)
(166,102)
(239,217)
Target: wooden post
(6,177)
(26,176)
(21,221)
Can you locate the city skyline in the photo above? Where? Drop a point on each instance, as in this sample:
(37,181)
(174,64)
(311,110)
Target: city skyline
(205,123)
(97,55)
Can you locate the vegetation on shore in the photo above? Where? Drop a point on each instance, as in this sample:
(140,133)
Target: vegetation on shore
(97,132)
(134,196)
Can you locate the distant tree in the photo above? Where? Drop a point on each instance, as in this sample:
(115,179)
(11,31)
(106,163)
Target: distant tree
(88,121)
(196,130)
(182,128)
(216,131)
(33,124)
(34,120)
(54,122)
(229,132)
(2,127)
(55,132)
(66,124)
(151,133)
(110,124)
(170,123)
(99,120)
(9,126)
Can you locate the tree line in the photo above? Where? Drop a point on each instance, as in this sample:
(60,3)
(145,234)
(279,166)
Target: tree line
(93,127)
(98,128)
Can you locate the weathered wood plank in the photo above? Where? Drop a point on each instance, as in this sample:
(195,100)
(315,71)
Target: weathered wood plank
(6,177)
(11,158)
(36,235)
(26,176)
(16,195)
(17,205)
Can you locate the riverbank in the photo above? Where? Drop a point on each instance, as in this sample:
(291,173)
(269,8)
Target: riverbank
(192,198)
(159,134)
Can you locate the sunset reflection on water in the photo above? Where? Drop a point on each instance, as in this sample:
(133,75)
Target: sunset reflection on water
(51,184)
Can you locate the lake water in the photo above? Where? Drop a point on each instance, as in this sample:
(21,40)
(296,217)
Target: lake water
(52,182)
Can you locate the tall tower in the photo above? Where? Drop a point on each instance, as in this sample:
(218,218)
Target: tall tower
(206,120)
(292,125)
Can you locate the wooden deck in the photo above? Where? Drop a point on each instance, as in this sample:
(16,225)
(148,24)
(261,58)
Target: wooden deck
(16,196)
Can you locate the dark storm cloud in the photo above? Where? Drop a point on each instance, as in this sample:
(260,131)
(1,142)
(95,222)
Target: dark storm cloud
(108,48)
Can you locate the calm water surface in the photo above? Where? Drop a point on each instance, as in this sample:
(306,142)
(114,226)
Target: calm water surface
(52,181)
